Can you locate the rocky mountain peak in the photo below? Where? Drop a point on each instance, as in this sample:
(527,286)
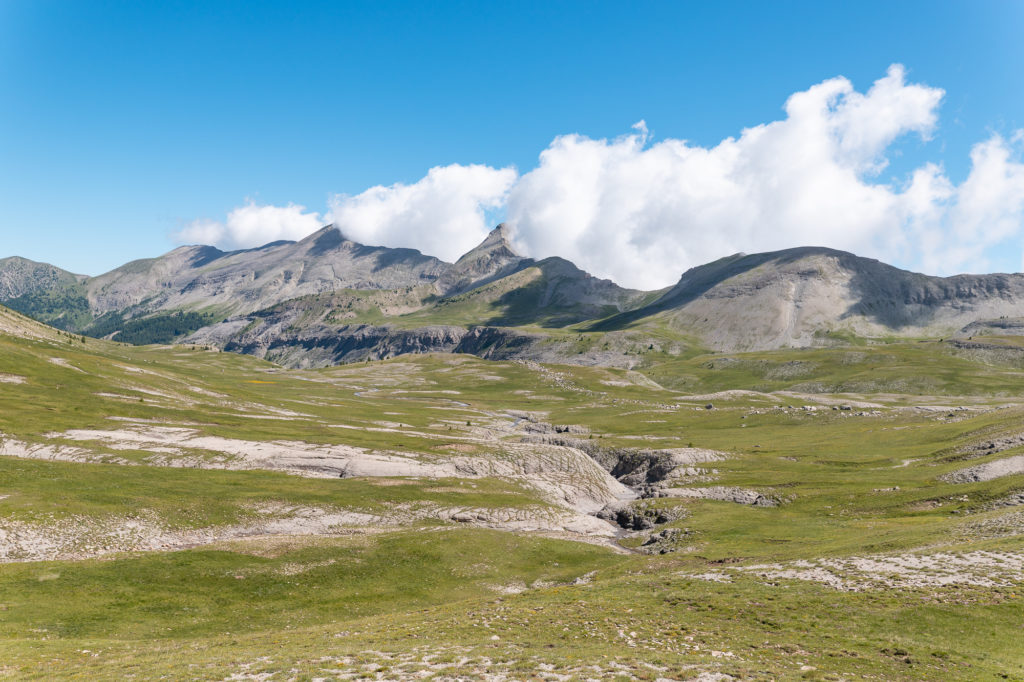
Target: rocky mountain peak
(330,230)
(492,258)
(499,237)
(326,238)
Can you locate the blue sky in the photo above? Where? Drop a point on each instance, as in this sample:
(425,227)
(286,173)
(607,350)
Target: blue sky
(121,123)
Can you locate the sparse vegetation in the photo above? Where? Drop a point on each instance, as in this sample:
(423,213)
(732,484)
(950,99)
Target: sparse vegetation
(447,597)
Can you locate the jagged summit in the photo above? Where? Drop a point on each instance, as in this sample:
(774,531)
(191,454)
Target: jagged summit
(328,230)
(497,241)
(500,236)
(492,259)
(323,240)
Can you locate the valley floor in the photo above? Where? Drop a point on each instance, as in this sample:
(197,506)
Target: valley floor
(830,514)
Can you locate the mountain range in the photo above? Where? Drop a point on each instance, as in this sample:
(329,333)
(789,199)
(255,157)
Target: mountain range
(326,299)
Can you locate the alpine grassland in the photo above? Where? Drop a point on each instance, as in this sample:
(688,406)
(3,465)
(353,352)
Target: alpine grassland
(853,511)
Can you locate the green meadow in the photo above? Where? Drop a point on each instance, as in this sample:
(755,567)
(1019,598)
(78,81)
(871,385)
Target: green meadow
(850,442)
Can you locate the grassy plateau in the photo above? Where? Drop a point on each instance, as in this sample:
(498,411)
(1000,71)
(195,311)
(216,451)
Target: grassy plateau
(168,512)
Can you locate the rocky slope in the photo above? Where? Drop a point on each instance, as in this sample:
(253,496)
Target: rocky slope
(20,276)
(15,324)
(797,297)
(492,259)
(45,292)
(326,299)
(474,307)
(244,281)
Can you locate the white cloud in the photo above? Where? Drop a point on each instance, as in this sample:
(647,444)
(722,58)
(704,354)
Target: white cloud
(642,212)
(252,225)
(443,214)
(990,203)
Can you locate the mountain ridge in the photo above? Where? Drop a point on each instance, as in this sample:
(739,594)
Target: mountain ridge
(335,300)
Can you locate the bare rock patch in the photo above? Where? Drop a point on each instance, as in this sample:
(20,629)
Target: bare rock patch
(1009,466)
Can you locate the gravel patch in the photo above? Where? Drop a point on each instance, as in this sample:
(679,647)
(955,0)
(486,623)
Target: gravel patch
(1009,466)
(903,571)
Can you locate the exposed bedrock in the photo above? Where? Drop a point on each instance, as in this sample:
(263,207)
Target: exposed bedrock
(322,345)
(646,471)
(652,474)
(1009,466)
(632,516)
(992,446)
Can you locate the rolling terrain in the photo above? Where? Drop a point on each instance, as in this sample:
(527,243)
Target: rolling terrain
(326,300)
(838,512)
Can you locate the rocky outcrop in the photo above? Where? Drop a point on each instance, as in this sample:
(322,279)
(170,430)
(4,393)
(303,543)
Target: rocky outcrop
(1003,326)
(636,516)
(664,541)
(992,446)
(725,494)
(495,343)
(1010,466)
(322,345)
(646,471)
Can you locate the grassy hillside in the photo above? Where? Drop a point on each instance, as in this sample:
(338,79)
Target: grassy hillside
(162,513)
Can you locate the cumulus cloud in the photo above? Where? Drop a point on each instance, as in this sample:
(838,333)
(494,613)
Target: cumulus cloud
(641,211)
(443,214)
(252,225)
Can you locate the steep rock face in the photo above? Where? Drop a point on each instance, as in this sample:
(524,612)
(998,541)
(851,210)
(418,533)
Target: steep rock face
(282,336)
(794,297)
(323,345)
(245,281)
(496,343)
